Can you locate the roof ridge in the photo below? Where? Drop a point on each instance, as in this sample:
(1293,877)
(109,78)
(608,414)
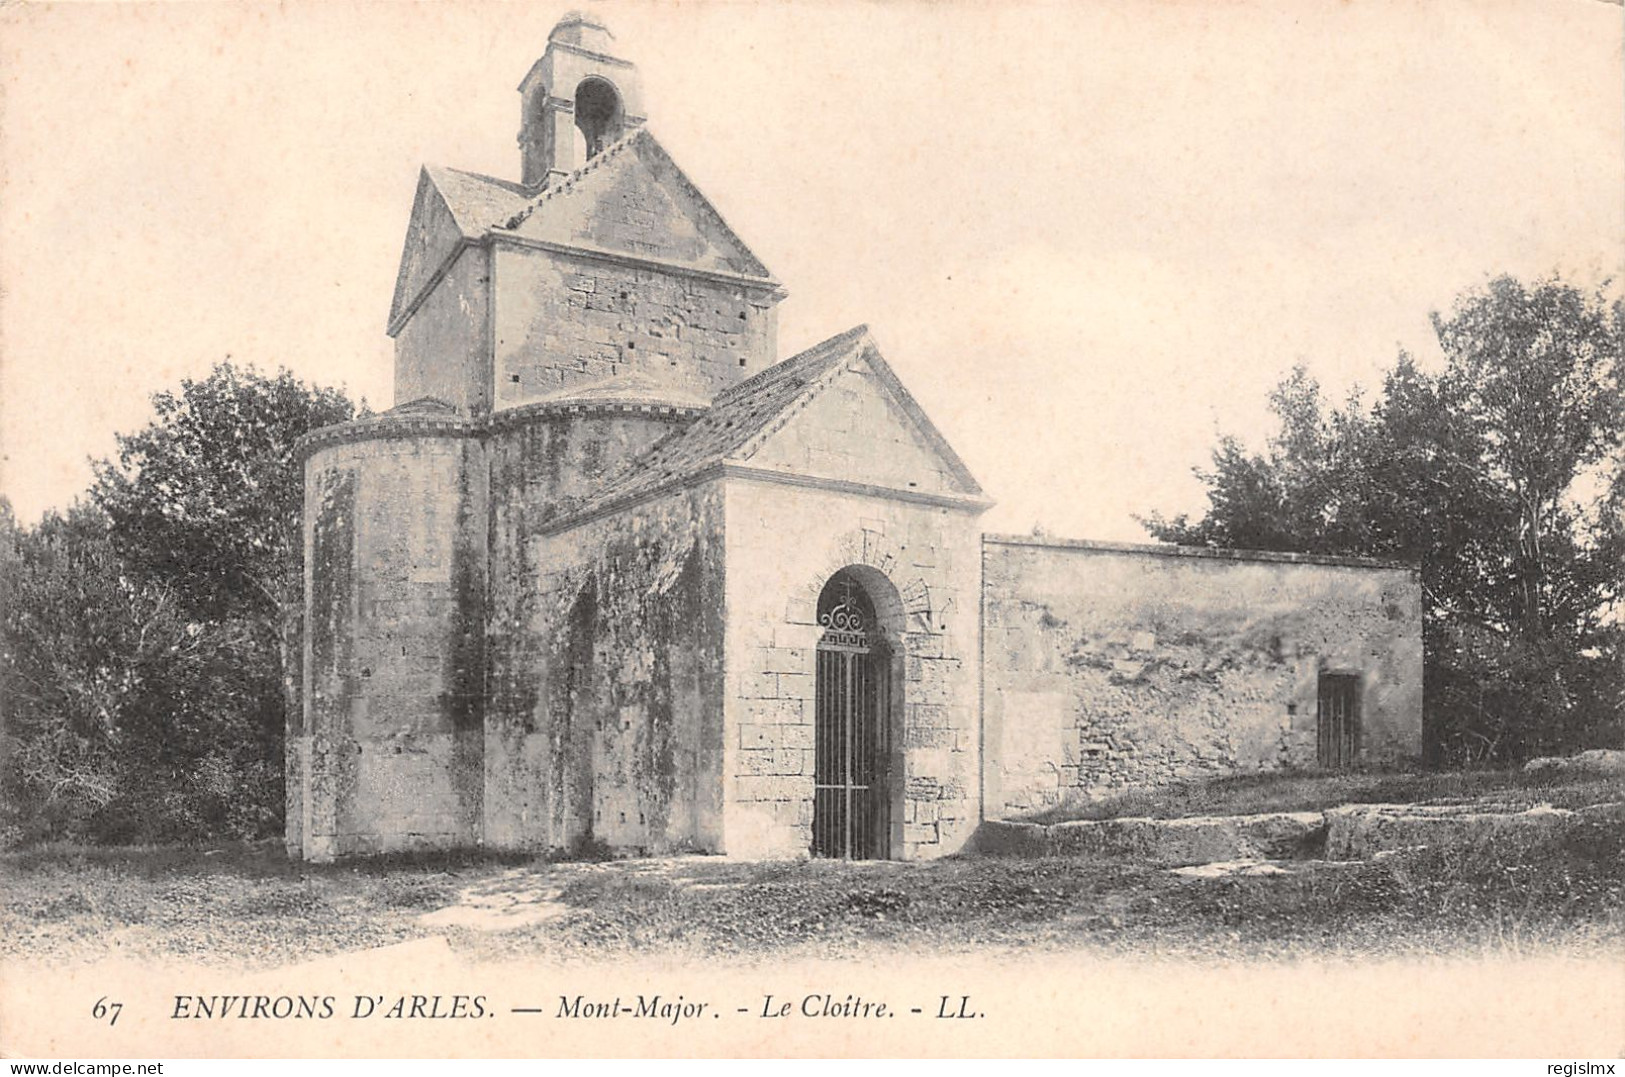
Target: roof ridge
(738,417)
(820,378)
(707,206)
(511,185)
(569,181)
(805,357)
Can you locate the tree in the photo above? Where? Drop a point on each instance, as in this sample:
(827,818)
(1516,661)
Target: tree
(122,719)
(207,497)
(147,663)
(1502,477)
(206,502)
(65,626)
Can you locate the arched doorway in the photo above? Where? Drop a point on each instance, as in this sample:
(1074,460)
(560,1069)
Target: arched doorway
(852,778)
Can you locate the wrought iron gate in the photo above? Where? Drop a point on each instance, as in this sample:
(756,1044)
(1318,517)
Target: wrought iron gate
(1338,721)
(851,806)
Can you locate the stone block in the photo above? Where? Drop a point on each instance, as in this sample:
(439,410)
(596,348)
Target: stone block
(920,787)
(932,692)
(794,685)
(799,611)
(920,833)
(756,761)
(1180,842)
(789,660)
(775,711)
(754,736)
(1598,762)
(786,813)
(915,738)
(759,788)
(1360,831)
(925,644)
(934,763)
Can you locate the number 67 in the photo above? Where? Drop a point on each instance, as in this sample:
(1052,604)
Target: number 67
(103,1008)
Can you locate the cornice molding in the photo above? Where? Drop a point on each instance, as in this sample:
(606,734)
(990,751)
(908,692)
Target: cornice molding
(1157,549)
(388,427)
(637,261)
(954,502)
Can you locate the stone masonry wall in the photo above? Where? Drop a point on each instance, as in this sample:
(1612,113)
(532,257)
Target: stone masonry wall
(536,461)
(1109,666)
(539,461)
(564,320)
(385,753)
(605,724)
(921,566)
(444,350)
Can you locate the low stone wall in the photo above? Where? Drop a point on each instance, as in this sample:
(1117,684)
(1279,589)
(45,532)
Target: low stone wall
(1350,832)
(1598,762)
(1162,842)
(1361,831)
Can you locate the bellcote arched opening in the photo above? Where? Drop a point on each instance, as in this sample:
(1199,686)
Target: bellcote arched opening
(598,113)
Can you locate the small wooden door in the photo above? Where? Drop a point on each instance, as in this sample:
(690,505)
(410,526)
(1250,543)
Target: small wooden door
(1339,720)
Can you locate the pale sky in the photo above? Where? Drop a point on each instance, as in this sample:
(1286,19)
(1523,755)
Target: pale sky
(1088,237)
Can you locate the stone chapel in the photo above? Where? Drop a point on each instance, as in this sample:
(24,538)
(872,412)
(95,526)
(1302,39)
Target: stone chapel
(612,575)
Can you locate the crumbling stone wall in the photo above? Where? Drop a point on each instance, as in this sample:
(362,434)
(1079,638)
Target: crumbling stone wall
(920,564)
(565,319)
(538,459)
(605,727)
(1108,665)
(544,456)
(385,752)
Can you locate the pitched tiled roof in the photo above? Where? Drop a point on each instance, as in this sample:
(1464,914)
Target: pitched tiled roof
(477,202)
(483,205)
(740,414)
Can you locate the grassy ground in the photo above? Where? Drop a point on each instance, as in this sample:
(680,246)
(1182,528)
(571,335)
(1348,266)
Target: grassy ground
(1251,794)
(234,904)
(246,906)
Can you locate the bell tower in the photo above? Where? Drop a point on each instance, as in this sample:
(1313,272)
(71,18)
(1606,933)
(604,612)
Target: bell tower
(577,98)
